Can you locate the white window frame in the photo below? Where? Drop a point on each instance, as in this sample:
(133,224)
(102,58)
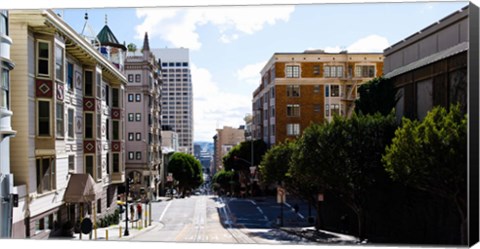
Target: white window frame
(38,58)
(292,71)
(51,176)
(49,118)
(293,110)
(93,174)
(60,76)
(92,84)
(92,125)
(71,123)
(293,129)
(60,120)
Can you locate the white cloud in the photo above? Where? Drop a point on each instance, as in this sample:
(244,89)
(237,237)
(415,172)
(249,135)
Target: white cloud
(250,73)
(371,43)
(214,108)
(179,25)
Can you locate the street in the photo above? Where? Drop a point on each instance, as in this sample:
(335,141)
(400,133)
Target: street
(212,219)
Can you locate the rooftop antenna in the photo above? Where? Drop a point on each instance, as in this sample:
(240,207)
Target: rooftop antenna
(88,34)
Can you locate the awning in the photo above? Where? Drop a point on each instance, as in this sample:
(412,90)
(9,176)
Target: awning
(429,59)
(81,188)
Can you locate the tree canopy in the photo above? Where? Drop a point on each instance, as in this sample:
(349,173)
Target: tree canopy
(431,155)
(186,170)
(377,95)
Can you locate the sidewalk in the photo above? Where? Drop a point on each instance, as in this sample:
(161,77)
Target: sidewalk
(117,232)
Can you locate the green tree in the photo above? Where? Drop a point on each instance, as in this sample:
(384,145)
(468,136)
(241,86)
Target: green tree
(222,180)
(377,95)
(131,47)
(276,162)
(431,155)
(305,167)
(240,156)
(186,170)
(343,157)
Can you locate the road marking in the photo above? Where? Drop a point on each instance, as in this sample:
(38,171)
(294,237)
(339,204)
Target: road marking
(164,211)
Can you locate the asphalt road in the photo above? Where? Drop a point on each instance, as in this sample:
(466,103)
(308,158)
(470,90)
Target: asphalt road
(211,219)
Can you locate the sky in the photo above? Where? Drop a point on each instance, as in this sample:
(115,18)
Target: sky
(229,45)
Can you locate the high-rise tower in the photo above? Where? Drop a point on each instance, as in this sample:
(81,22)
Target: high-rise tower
(177,100)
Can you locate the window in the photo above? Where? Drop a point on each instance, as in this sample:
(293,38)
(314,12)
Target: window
(60,120)
(137,78)
(293,129)
(130,78)
(59,63)
(4,22)
(316,70)
(131,155)
(138,136)
(88,125)
(138,97)
(327,90)
(130,97)
(5,89)
(138,155)
(333,71)
(130,117)
(89,165)
(45,171)
(69,76)
(316,88)
(99,206)
(116,163)
(292,71)
(115,97)
(317,108)
(138,117)
(99,125)
(99,85)
(88,83)
(43,56)
(293,91)
(107,129)
(99,167)
(293,110)
(116,130)
(365,71)
(335,90)
(332,109)
(130,136)
(107,95)
(43,113)
(71,163)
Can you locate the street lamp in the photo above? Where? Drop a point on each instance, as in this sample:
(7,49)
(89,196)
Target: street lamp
(127,190)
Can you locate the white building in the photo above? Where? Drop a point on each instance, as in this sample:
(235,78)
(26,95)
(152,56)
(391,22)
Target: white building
(6,132)
(177,99)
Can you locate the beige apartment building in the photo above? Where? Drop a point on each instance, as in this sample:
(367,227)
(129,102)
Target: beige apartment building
(143,128)
(297,89)
(225,139)
(69,109)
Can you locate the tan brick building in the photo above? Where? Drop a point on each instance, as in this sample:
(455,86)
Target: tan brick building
(298,89)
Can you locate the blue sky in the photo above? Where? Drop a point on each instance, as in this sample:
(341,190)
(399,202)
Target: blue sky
(230,45)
